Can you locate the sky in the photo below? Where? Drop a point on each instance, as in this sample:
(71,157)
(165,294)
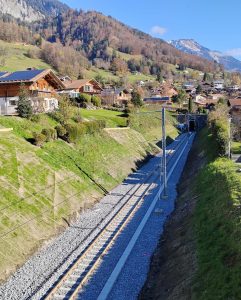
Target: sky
(213,23)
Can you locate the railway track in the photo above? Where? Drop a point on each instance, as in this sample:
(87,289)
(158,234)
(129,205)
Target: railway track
(77,275)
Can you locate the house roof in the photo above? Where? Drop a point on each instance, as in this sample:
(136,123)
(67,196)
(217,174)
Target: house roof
(235,102)
(77,84)
(157,98)
(27,75)
(30,76)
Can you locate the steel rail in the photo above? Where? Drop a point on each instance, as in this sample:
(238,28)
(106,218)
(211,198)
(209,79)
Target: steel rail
(109,240)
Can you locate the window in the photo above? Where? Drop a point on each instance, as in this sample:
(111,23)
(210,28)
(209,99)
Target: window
(13,102)
(88,88)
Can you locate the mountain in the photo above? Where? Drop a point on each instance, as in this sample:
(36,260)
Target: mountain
(90,39)
(31,10)
(192,47)
(102,37)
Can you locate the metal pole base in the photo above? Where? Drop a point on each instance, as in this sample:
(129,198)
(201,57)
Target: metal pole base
(164,195)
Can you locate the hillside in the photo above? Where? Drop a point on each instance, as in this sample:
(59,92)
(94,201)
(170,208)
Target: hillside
(14,57)
(74,42)
(94,34)
(192,47)
(42,188)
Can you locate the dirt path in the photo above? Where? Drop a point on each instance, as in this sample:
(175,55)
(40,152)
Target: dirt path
(174,264)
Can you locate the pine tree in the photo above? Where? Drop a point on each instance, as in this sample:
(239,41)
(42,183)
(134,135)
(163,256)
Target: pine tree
(190,105)
(136,99)
(24,107)
(199,89)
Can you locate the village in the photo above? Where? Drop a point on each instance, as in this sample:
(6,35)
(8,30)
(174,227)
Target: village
(45,88)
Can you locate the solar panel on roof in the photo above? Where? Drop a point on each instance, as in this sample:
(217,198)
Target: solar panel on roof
(21,75)
(2,73)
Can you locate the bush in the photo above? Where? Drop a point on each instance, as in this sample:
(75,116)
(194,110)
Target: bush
(50,134)
(24,107)
(61,131)
(220,132)
(39,139)
(35,118)
(96,100)
(94,126)
(85,98)
(57,116)
(74,132)
(218,123)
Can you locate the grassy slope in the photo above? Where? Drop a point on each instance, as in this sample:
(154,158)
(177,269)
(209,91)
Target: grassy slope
(108,75)
(47,184)
(218,227)
(16,58)
(112,118)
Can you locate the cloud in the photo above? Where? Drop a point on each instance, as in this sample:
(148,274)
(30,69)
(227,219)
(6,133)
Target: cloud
(234,52)
(158,30)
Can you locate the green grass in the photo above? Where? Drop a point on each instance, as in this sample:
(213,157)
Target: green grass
(149,124)
(217,223)
(106,75)
(112,118)
(236,147)
(125,56)
(16,58)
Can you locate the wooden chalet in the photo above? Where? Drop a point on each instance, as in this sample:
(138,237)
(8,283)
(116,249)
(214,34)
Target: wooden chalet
(235,111)
(235,108)
(42,86)
(87,86)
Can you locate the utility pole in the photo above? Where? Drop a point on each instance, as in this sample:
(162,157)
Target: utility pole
(164,158)
(229,136)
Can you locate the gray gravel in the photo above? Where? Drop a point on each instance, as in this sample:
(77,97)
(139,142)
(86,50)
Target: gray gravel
(42,270)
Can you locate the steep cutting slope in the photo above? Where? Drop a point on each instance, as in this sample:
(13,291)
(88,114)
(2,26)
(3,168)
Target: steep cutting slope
(41,188)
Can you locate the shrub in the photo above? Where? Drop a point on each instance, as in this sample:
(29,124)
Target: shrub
(39,139)
(61,131)
(218,123)
(24,107)
(96,101)
(50,134)
(74,132)
(85,98)
(94,126)
(35,118)
(65,108)
(57,116)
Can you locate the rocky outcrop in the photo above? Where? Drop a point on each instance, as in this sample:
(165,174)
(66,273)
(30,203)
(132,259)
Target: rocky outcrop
(20,9)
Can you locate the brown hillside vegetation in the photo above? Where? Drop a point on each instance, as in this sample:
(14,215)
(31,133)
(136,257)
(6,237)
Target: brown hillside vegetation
(94,33)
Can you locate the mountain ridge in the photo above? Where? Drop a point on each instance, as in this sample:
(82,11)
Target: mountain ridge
(193,47)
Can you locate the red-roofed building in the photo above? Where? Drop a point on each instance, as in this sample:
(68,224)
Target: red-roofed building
(87,86)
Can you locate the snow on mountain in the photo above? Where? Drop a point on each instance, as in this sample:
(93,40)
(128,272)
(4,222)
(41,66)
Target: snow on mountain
(192,47)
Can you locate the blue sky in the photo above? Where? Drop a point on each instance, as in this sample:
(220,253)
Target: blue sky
(213,23)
